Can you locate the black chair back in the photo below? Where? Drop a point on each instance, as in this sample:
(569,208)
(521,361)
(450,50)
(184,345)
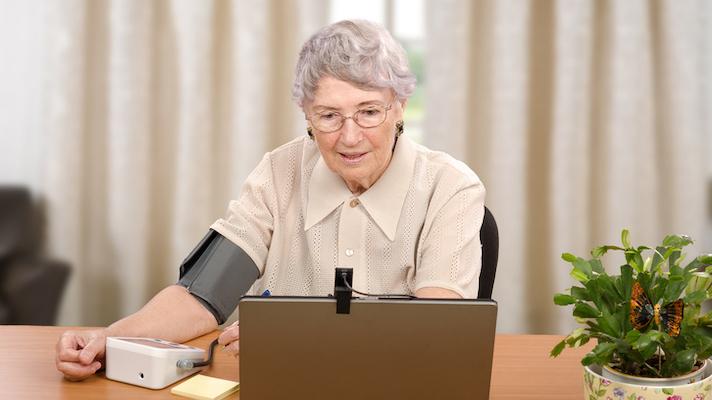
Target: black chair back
(31,284)
(489,237)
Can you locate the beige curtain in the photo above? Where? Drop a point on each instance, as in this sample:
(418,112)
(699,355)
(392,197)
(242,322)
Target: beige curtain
(136,121)
(151,115)
(582,118)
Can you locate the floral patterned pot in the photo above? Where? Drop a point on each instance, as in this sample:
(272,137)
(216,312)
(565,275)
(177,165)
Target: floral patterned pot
(596,387)
(692,377)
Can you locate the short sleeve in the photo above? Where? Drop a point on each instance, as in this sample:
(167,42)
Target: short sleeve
(249,222)
(451,252)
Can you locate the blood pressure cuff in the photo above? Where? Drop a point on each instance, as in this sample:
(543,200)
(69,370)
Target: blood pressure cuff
(217,273)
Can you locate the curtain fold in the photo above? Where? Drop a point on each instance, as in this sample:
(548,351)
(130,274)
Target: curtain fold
(582,118)
(64,167)
(156,113)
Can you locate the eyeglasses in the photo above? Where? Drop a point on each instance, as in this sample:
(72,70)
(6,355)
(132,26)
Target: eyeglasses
(368,117)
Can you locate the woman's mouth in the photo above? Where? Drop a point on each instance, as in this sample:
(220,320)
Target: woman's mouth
(352,158)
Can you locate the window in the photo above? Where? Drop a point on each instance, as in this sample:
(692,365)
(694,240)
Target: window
(405,20)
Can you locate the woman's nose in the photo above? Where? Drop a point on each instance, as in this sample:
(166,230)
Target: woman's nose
(350,133)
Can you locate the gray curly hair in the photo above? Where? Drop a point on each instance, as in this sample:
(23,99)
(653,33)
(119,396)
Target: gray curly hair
(360,52)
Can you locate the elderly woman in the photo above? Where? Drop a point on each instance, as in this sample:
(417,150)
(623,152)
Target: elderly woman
(353,192)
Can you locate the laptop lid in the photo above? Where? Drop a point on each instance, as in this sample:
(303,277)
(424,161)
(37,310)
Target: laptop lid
(300,348)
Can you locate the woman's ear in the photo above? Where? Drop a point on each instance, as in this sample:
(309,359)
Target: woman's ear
(306,108)
(309,125)
(402,103)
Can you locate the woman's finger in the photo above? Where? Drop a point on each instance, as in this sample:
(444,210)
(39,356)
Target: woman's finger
(229,335)
(68,354)
(233,348)
(76,372)
(67,341)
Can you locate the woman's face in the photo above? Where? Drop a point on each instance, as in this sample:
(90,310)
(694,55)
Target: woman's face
(359,155)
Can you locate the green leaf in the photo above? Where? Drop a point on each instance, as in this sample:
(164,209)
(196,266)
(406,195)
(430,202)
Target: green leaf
(568,257)
(626,280)
(632,336)
(645,280)
(584,310)
(561,299)
(583,266)
(609,324)
(558,349)
(579,275)
(625,239)
(700,281)
(596,266)
(667,391)
(634,258)
(580,293)
(603,351)
(700,339)
(698,263)
(680,362)
(656,336)
(601,250)
(647,344)
(598,251)
(642,342)
(696,297)
(623,347)
(658,289)
(609,292)
(674,288)
(578,332)
(595,290)
(705,259)
(675,258)
(658,257)
(588,359)
(678,241)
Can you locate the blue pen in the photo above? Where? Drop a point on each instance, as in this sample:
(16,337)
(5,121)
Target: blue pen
(266,293)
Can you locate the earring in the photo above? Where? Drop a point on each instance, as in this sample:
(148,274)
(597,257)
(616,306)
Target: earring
(399,128)
(309,132)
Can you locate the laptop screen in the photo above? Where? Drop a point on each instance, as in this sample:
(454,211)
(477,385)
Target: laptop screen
(300,348)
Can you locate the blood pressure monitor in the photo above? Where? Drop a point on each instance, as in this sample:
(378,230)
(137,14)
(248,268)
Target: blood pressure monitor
(151,363)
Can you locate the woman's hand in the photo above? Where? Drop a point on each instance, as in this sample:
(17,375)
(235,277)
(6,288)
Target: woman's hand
(79,354)
(230,339)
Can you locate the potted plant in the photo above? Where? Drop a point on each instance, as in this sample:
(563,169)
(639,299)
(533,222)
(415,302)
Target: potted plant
(653,339)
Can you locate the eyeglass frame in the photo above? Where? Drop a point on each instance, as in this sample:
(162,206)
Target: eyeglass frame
(351,117)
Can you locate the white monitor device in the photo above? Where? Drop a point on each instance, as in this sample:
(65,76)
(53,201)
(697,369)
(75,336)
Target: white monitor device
(147,362)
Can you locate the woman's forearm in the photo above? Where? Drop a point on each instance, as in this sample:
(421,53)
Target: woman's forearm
(172,314)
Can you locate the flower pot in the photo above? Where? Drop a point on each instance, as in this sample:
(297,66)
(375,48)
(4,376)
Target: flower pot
(692,377)
(596,386)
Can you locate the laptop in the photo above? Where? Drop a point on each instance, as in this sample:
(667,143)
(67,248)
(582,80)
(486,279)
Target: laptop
(301,348)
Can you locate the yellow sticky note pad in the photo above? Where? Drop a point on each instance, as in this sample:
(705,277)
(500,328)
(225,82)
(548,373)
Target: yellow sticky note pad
(203,387)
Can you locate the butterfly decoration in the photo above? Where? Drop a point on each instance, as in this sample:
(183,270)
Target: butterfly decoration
(642,311)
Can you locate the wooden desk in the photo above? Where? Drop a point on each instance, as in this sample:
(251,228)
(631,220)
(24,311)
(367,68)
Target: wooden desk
(522,369)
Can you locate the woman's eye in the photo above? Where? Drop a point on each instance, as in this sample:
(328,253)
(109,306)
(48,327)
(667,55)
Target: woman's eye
(371,112)
(328,116)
